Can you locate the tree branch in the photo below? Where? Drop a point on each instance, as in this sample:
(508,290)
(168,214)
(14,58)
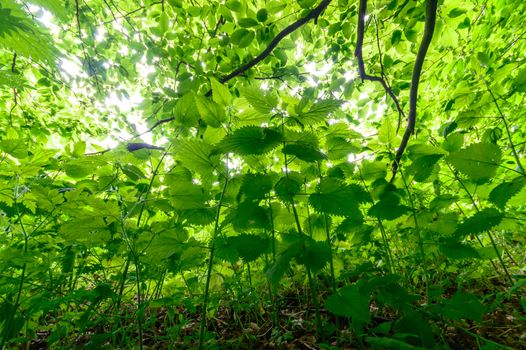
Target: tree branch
(429,29)
(359,57)
(314,14)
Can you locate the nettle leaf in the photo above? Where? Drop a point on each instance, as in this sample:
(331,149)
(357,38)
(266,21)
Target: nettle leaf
(334,197)
(261,101)
(197,156)
(477,161)
(388,208)
(245,246)
(187,195)
(255,186)
(387,132)
(318,112)
(350,301)
(314,255)
(501,194)
(483,220)
(185,112)
(458,250)
(220,93)
(304,151)
(248,215)
(340,148)
(464,306)
(288,186)
(250,140)
(212,113)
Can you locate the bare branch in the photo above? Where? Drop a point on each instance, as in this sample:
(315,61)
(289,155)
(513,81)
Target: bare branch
(359,57)
(429,29)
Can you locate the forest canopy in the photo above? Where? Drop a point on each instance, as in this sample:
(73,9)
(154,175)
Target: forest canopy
(262,174)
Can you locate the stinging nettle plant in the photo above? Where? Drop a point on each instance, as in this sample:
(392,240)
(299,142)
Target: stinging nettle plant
(166,165)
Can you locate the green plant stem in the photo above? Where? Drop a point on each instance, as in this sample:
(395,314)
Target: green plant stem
(419,235)
(210,264)
(508,133)
(9,322)
(494,245)
(385,240)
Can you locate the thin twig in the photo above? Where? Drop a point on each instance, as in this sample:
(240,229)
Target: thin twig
(429,29)
(358,53)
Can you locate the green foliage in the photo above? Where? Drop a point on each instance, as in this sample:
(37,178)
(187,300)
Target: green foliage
(250,140)
(334,197)
(174,162)
(481,221)
(478,161)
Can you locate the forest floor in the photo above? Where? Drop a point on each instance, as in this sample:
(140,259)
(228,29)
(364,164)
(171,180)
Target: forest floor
(232,327)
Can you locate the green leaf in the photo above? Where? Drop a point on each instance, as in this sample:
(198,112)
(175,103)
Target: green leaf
(187,196)
(262,15)
(314,255)
(211,112)
(164,23)
(478,160)
(388,208)
(15,147)
(197,155)
(255,186)
(458,250)
(185,112)
(263,103)
(247,22)
(501,194)
(481,221)
(336,198)
(390,343)
(319,112)
(304,151)
(250,140)
(242,37)
(350,301)
(519,83)
(464,306)
(387,132)
(245,246)
(288,186)
(220,93)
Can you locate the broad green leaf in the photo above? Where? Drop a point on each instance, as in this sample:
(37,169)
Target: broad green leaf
(477,161)
(387,132)
(314,255)
(334,197)
(388,208)
(220,93)
(212,113)
(304,151)
(458,250)
(481,221)
(242,37)
(464,306)
(187,196)
(185,110)
(255,186)
(501,194)
(352,302)
(250,140)
(262,102)
(197,156)
(288,186)
(15,147)
(318,112)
